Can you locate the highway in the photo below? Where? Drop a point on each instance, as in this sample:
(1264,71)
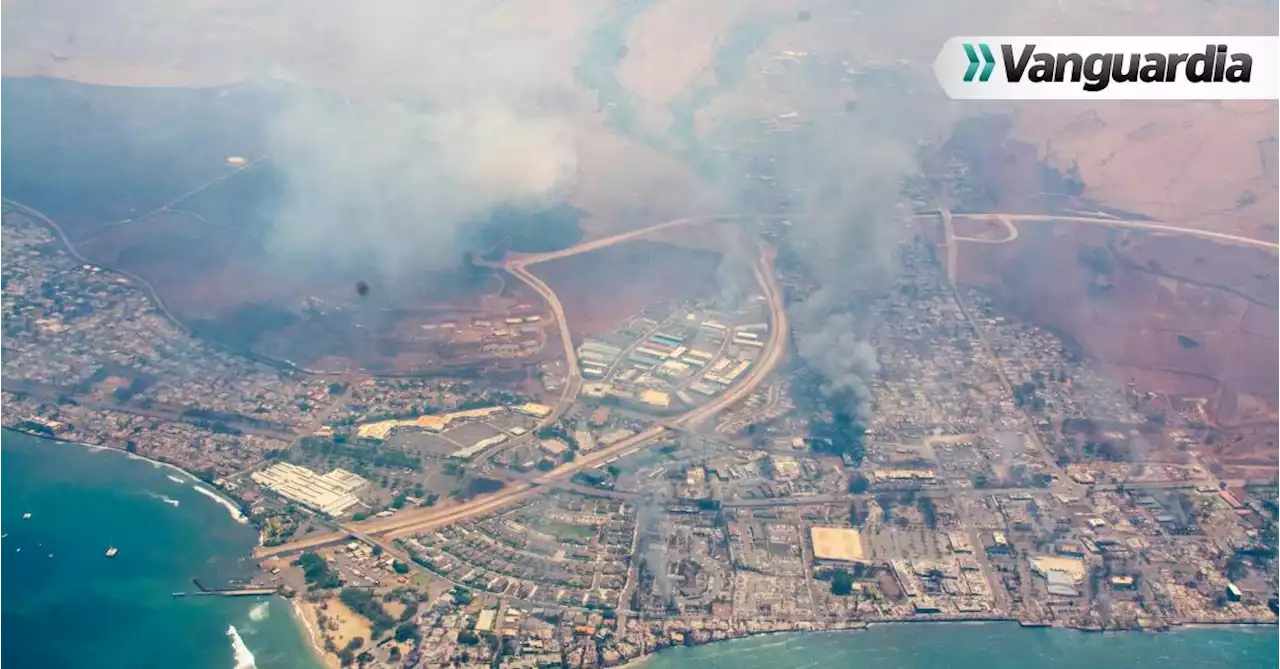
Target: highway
(517,266)
(769,358)
(573,380)
(419,520)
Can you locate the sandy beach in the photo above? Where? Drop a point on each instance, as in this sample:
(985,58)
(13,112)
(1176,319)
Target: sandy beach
(305,612)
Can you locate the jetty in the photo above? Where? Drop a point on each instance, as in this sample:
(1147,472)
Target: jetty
(239,591)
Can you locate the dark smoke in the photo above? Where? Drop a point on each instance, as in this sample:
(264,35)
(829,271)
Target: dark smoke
(849,216)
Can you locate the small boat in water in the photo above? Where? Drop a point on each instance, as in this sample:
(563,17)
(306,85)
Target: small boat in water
(111,552)
(26,516)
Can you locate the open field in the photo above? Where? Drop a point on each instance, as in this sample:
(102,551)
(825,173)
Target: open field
(600,289)
(1176,315)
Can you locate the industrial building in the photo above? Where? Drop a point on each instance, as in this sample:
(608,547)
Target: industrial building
(381,429)
(554,447)
(534,410)
(478,447)
(331,494)
(785,467)
(598,352)
(1063,574)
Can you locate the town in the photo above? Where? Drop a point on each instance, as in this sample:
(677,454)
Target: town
(968,496)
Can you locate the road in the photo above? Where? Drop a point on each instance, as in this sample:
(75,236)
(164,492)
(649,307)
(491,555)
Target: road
(1011,233)
(605,242)
(573,381)
(419,520)
(518,265)
(769,358)
(1152,226)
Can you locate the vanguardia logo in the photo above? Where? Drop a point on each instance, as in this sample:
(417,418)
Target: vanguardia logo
(988,62)
(1063,68)
(1099,70)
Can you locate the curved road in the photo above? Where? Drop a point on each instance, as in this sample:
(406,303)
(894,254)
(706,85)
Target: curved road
(1011,233)
(413,522)
(517,267)
(1152,226)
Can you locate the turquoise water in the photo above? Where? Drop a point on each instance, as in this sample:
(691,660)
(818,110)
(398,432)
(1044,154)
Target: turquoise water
(985,646)
(64,604)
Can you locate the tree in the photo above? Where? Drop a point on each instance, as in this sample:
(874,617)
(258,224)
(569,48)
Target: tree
(928,511)
(406,631)
(400,567)
(841,583)
(362,602)
(317,572)
(468,638)
(377,550)
(856,515)
(885,501)
(858,484)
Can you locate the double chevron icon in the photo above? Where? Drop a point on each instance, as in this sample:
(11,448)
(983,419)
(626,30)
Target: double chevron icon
(988,61)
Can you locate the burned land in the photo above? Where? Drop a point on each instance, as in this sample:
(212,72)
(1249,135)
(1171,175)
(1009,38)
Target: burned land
(176,186)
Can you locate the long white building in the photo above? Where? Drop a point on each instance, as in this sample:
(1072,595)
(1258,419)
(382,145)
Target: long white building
(331,494)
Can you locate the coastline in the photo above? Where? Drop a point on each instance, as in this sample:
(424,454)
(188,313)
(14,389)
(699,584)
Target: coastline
(207,489)
(861,626)
(84,501)
(305,616)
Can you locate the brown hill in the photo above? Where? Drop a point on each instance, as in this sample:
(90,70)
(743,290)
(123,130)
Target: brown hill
(1177,315)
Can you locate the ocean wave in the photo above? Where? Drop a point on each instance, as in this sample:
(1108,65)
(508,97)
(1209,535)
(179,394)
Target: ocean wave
(165,498)
(176,479)
(232,508)
(260,611)
(244,658)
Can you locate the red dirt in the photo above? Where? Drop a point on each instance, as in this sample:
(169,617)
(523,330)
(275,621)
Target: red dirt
(979,228)
(1220,299)
(600,289)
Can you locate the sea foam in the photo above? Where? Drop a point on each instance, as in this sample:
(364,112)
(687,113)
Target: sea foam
(244,658)
(235,511)
(260,611)
(165,498)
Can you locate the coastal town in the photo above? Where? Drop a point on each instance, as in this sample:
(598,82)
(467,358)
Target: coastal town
(673,484)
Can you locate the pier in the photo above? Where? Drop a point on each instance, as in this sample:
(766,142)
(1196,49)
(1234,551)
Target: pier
(244,591)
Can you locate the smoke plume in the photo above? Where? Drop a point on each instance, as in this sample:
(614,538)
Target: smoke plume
(388,186)
(653,543)
(849,215)
(447,111)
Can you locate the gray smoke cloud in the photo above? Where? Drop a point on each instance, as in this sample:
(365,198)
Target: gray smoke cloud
(390,186)
(847,174)
(651,525)
(374,180)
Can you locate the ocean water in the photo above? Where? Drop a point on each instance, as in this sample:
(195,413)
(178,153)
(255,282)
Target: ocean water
(984,646)
(64,604)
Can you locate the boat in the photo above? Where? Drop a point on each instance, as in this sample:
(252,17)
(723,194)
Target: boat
(26,516)
(111,552)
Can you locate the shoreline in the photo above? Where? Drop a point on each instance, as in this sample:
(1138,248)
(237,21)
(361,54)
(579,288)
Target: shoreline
(862,626)
(199,485)
(302,614)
